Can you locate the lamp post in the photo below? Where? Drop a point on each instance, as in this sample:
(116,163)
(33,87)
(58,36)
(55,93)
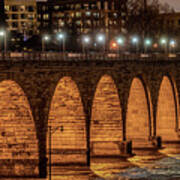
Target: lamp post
(85,42)
(3,34)
(172,45)
(163,42)
(120,42)
(147,43)
(45,38)
(101,40)
(135,41)
(50,132)
(61,37)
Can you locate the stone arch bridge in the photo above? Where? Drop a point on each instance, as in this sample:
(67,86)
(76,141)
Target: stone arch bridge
(92,107)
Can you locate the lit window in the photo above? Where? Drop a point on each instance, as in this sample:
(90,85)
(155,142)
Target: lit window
(115,14)
(22,8)
(56,7)
(30,16)
(88,13)
(78,6)
(78,22)
(96,15)
(45,16)
(86,6)
(7,8)
(78,14)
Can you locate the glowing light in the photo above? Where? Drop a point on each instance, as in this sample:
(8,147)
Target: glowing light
(86,39)
(60,36)
(114,45)
(100,38)
(120,41)
(2,33)
(155,45)
(163,41)
(46,38)
(147,42)
(88,13)
(172,43)
(135,40)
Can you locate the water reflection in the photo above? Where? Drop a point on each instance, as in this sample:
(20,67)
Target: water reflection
(107,168)
(154,165)
(163,164)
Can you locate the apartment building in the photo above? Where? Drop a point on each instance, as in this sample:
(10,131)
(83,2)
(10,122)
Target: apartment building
(21,16)
(84,16)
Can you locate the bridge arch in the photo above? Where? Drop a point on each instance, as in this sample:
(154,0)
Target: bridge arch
(106,119)
(139,113)
(68,124)
(167,117)
(18,139)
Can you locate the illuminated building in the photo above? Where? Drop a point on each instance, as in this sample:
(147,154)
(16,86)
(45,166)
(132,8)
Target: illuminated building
(21,16)
(82,16)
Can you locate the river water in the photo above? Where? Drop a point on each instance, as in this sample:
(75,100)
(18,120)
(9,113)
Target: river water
(157,165)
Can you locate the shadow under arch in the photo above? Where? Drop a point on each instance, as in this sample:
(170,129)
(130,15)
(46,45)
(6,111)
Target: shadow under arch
(139,122)
(18,139)
(106,129)
(167,116)
(68,124)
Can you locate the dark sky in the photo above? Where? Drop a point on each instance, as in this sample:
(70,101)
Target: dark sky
(174,3)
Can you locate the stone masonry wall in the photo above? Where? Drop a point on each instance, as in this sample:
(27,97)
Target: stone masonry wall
(138,120)
(39,79)
(166,115)
(106,119)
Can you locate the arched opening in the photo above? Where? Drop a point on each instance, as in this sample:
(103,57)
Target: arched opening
(167,116)
(18,141)
(106,120)
(68,124)
(138,122)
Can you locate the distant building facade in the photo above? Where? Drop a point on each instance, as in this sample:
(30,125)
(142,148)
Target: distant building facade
(21,16)
(83,16)
(43,16)
(170,23)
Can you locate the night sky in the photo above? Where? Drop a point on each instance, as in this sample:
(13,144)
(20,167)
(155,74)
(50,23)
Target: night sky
(174,3)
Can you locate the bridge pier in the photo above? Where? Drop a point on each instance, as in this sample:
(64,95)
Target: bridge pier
(110,149)
(38,80)
(42,167)
(157,141)
(146,146)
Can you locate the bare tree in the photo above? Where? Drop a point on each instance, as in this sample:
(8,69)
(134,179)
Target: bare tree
(145,17)
(142,17)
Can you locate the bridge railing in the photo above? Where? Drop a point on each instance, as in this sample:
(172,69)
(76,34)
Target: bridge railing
(40,56)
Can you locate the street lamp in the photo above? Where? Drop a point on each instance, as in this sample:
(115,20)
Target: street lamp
(61,37)
(163,42)
(120,42)
(85,41)
(101,39)
(172,44)
(50,132)
(135,41)
(3,34)
(147,43)
(45,38)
